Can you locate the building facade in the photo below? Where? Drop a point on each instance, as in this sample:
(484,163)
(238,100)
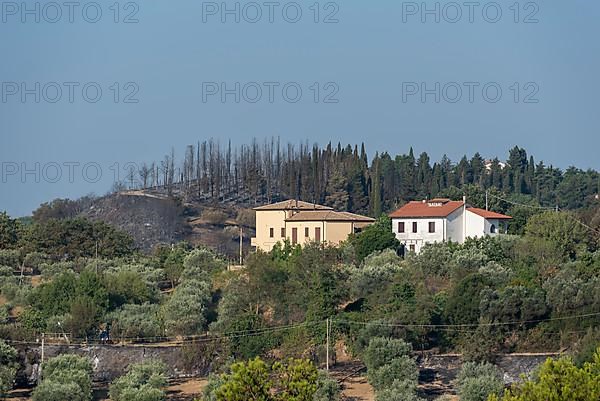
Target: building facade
(302,222)
(439,220)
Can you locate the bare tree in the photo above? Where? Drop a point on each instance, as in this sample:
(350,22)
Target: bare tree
(144,173)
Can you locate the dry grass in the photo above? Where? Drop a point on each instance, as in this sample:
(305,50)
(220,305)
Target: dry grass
(358,389)
(180,390)
(36,281)
(187,389)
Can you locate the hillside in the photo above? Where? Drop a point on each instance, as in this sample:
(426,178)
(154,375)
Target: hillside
(149,219)
(152,218)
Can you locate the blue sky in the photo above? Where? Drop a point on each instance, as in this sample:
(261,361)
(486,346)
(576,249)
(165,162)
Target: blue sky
(371,59)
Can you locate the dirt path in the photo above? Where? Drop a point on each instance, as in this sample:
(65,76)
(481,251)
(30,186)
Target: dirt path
(178,390)
(186,389)
(355,387)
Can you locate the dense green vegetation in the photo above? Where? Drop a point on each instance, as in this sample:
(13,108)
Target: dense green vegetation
(65,378)
(348,179)
(559,380)
(143,382)
(391,371)
(478,381)
(8,367)
(255,380)
(75,279)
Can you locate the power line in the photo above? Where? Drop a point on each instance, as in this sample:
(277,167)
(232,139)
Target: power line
(555,209)
(198,338)
(520,204)
(581,223)
(195,339)
(438,326)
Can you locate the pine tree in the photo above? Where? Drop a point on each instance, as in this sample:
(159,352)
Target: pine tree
(375,200)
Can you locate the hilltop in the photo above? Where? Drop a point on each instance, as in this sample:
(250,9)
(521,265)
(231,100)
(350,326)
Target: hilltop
(153,218)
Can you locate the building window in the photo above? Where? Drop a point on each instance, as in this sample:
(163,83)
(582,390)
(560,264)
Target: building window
(432,226)
(493,229)
(271,232)
(411,248)
(283,232)
(306,232)
(400,226)
(414,227)
(318,234)
(294,236)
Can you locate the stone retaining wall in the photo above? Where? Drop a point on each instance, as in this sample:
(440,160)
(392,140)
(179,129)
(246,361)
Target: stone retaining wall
(197,360)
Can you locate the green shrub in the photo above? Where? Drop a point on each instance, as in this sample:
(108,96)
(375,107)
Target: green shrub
(143,382)
(290,380)
(587,347)
(391,370)
(66,375)
(477,381)
(50,390)
(245,379)
(136,321)
(127,286)
(34,260)
(50,270)
(401,368)
(17,294)
(376,237)
(376,270)
(381,351)
(214,382)
(559,380)
(67,362)
(377,328)
(8,367)
(65,378)
(184,312)
(4,314)
(434,259)
(10,258)
(328,389)
(199,264)
(399,390)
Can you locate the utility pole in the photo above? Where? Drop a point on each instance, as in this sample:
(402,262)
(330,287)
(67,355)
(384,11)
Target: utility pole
(327,350)
(22,272)
(41,360)
(241,246)
(96,256)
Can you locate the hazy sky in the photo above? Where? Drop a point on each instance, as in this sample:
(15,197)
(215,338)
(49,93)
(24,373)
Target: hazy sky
(371,68)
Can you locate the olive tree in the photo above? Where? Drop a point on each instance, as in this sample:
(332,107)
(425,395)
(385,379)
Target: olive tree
(8,367)
(65,378)
(143,382)
(477,381)
(184,312)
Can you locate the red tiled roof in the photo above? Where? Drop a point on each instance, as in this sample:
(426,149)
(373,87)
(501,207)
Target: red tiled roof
(293,205)
(329,215)
(432,208)
(487,214)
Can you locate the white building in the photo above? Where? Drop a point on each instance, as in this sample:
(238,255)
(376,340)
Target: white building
(437,220)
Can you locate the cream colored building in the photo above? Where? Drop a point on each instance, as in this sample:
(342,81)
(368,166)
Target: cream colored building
(302,222)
